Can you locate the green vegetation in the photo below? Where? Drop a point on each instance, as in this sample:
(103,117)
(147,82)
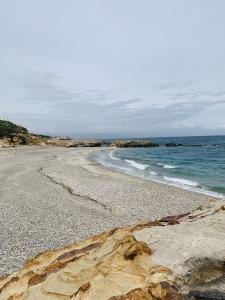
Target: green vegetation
(8,128)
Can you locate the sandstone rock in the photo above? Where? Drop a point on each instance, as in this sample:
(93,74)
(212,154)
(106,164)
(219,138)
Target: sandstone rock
(177,257)
(15,140)
(74,143)
(133,143)
(12,135)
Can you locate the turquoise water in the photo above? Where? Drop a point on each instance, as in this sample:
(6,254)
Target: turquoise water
(201,169)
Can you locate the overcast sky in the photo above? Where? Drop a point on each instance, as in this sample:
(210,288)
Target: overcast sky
(113,68)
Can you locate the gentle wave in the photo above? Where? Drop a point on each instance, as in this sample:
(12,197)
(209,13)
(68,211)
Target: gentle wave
(169,167)
(181,181)
(128,166)
(136,165)
(153,173)
(165,166)
(112,156)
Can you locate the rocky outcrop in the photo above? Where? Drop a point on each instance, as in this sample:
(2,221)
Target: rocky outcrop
(7,128)
(133,143)
(177,257)
(185,145)
(12,135)
(173,145)
(74,143)
(15,140)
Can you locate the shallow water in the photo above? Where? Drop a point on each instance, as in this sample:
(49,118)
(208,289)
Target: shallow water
(198,168)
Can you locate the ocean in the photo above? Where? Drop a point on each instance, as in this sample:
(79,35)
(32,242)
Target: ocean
(196,168)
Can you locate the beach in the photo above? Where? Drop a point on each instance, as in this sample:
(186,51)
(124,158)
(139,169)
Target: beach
(53,196)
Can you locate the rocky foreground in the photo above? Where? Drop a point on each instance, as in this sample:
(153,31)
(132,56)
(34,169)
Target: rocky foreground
(176,257)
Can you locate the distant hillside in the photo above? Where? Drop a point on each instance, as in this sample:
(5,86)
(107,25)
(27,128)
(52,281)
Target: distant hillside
(8,128)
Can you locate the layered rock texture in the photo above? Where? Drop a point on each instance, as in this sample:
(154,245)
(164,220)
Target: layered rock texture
(177,257)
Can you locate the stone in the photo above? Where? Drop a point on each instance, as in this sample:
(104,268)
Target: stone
(152,260)
(133,143)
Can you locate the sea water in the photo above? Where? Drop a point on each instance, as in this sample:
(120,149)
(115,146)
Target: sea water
(199,168)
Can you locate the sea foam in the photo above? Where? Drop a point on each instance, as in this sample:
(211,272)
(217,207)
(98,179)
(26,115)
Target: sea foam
(153,173)
(169,167)
(165,166)
(136,165)
(111,155)
(181,181)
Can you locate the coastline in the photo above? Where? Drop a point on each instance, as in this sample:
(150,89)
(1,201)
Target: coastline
(53,196)
(174,182)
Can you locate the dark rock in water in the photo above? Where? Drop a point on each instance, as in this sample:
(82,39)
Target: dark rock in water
(133,143)
(194,145)
(173,145)
(184,145)
(87,143)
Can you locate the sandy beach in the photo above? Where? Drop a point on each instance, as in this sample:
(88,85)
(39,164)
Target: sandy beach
(52,196)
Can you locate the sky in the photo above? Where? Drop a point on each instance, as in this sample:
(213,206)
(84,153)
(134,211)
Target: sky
(115,68)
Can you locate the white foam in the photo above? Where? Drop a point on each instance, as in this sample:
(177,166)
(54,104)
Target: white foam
(169,167)
(153,173)
(135,164)
(165,166)
(178,182)
(181,181)
(112,156)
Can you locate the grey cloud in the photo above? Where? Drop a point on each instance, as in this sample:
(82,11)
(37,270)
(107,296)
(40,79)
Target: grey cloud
(94,65)
(41,86)
(174,85)
(97,111)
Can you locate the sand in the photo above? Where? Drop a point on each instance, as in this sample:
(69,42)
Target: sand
(52,196)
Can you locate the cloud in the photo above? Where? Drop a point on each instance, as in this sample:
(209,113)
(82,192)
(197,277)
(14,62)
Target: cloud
(44,87)
(97,112)
(174,85)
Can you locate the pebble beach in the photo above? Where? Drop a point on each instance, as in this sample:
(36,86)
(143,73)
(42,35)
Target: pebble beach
(53,196)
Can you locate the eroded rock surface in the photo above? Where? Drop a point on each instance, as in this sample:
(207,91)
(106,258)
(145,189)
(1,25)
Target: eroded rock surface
(15,140)
(177,257)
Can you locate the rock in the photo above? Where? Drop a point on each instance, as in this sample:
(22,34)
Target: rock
(7,128)
(12,135)
(31,139)
(74,143)
(177,257)
(183,145)
(194,145)
(173,145)
(15,140)
(133,143)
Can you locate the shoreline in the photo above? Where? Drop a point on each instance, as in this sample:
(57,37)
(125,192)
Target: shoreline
(205,192)
(52,197)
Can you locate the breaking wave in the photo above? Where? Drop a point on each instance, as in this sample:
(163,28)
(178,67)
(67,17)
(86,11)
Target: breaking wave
(136,165)
(180,181)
